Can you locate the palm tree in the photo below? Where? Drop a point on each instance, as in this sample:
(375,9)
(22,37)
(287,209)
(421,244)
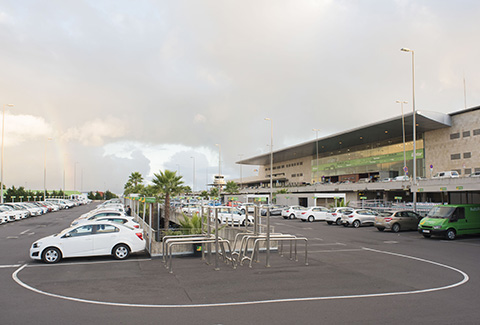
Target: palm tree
(231,187)
(169,184)
(135,178)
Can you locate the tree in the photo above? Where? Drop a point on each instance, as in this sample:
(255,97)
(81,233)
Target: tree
(169,184)
(214,192)
(204,195)
(231,187)
(135,178)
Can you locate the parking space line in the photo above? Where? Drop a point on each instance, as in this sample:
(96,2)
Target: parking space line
(23,232)
(329,244)
(336,250)
(9,266)
(258,302)
(86,263)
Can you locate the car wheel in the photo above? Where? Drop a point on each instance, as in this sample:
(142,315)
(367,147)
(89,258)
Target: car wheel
(121,252)
(51,255)
(311,219)
(292,216)
(338,221)
(356,223)
(426,236)
(396,227)
(451,234)
(380,229)
(243,211)
(329,222)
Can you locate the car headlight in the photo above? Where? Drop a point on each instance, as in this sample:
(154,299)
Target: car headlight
(36,245)
(437,227)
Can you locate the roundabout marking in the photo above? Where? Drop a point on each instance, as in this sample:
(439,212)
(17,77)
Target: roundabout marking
(258,302)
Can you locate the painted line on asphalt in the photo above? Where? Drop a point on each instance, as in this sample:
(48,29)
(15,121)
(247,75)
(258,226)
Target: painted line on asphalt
(9,266)
(88,263)
(336,250)
(23,232)
(329,244)
(259,302)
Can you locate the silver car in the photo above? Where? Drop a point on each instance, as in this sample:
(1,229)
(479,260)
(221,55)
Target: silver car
(397,220)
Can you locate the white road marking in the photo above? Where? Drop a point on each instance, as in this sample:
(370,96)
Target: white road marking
(329,244)
(8,266)
(258,302)
(23,232)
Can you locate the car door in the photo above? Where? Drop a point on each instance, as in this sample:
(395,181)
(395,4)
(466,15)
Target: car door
(105,237)
(411,220)
(77,242)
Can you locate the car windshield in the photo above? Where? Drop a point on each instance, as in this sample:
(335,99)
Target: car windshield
(441,212)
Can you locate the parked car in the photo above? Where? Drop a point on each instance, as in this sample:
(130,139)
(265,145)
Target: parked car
(4,217)
(334,215)
(447,174)
(402,178)
(228,215)
(475,174)
(22,213)
(91,239)
(397,220)
(127,221)
(275,210)
(451,221)
(247,207)
(292,211)
(314,214)
(359,217)
(98,214)
(10,213)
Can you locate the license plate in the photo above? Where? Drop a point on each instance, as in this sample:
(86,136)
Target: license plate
(426,231)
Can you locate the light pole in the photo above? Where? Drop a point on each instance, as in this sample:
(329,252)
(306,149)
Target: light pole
(193,188)
(316,143)
(75,175)
(241,178)
(45,171)
(267,263)
(414,180)
(3,135)
(403,131)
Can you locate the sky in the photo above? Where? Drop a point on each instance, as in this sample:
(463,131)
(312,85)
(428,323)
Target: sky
(102,89)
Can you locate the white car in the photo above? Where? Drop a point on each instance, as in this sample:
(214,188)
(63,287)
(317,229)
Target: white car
(292,211)
(124,220)
(91,239)
(334,215)
(229,215)
(313,214)
(20,213)
(98,214)
(359,217)
(9,213)
(247,207)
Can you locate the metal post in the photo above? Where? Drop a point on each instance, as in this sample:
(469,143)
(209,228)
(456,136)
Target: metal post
(216,240)
(267,262)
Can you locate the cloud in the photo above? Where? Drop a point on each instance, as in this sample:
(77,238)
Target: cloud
(97,131)
(22,128)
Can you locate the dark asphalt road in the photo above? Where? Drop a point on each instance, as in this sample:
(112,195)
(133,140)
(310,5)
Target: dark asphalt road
(350,280)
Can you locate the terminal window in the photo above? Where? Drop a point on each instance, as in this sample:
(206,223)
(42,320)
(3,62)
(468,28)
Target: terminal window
(454,136)
(455,156)
(476,132)
(467,155)
(466,134)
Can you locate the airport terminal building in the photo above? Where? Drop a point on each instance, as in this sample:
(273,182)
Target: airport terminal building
(376,153)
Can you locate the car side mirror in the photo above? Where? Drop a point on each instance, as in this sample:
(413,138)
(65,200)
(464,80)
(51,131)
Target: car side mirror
(67,235)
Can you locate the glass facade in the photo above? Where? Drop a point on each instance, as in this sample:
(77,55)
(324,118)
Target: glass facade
(381,159)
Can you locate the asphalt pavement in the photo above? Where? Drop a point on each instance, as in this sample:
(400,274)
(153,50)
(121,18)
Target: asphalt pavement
(354,276)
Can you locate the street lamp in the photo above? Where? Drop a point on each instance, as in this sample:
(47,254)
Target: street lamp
(45,171)
(414,180)
(193,188)
(241,178)
(316,163)
(3,133)
(267,263)
(75,175)
(403,131)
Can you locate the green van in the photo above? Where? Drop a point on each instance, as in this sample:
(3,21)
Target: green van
(451,221)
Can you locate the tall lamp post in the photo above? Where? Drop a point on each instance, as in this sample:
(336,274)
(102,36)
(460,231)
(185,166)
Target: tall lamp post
(3,135)
(241,178)
(316,162)
(45,171)
(267,263)
(193,188)
(75,175)
(414,176)
(403,132)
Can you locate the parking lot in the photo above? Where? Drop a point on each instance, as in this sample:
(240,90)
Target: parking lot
(359,276)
